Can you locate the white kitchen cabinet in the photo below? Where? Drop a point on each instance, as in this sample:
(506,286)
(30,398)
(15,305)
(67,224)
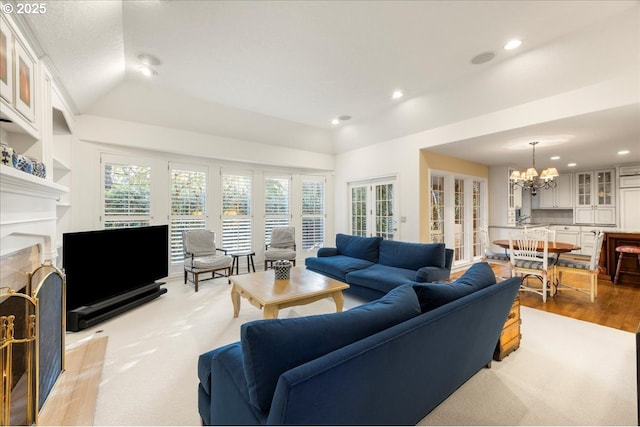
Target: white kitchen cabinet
(560,197)
(630,209)
(595,197)
(568,234)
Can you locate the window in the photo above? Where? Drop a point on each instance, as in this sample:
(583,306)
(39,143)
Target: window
(188,206)
(236,212)
(127,194)
(437,209)
(276,205)
(372,208)
(312,214)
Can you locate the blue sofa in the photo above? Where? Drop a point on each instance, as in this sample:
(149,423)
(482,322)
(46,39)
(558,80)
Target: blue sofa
(389,361)
(373,266)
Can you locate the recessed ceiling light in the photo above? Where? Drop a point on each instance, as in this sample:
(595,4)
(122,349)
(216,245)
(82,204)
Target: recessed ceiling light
(512,44)
(146,71)
(335,121)
(344,118)
(397,94)
(571,165)
(623,152)
(555,157)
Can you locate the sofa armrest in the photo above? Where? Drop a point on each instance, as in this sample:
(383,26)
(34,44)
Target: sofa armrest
(230,403)
(448,259)
(325,252)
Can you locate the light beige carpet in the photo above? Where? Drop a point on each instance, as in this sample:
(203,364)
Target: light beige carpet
(566,372)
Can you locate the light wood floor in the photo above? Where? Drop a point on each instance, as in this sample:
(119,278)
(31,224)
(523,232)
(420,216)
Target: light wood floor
(72,402)
(617,306)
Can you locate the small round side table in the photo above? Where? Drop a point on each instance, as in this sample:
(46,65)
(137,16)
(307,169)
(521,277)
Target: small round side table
(625,249)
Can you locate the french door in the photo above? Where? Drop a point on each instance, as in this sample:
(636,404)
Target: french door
(373,208)
(458,214)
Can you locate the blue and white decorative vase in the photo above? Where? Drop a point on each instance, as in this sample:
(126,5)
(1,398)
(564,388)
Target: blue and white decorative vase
(39,168)
(22,163)
(282,269)
(7,155)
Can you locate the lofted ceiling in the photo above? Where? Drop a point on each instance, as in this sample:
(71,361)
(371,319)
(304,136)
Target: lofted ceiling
(277,72)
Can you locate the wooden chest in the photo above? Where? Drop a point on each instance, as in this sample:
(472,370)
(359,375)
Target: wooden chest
(510,337)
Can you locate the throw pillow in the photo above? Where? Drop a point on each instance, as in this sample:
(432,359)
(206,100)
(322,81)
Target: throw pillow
(272,347)
(433,295)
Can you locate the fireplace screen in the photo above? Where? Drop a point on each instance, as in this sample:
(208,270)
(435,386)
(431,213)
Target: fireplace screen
(31,344)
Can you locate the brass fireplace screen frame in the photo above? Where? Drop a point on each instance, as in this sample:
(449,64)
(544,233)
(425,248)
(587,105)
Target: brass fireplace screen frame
(27,390)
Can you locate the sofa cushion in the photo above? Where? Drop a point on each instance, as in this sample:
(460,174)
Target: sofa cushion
(411,256)
(358,247)
(272,347)
(381,277)
(433,295)
(336,266)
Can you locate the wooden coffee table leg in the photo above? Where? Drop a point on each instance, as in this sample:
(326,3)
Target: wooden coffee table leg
(339,300)
(270,312)
(235,299)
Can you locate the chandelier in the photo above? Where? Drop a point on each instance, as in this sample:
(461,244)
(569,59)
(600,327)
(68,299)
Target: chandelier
(531,180)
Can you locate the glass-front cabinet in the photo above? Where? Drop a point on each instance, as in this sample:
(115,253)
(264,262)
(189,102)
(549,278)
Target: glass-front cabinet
(595,197)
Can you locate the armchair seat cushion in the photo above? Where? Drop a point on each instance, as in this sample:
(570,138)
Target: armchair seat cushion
(208,263)
(274,254)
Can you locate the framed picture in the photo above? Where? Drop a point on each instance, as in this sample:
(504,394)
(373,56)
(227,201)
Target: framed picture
(6,61)
(24,70)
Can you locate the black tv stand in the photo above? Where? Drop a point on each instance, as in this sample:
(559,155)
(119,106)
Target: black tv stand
(85,316)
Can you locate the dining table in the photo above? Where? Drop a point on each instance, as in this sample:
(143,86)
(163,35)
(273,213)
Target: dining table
(553,247)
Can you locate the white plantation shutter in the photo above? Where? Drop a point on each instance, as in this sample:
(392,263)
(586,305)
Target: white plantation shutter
(276,205)
(188,206)
(126,195)
(312,214)
(236,212)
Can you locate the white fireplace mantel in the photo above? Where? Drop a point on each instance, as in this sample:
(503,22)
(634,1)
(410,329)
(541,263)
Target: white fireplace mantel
(28,212)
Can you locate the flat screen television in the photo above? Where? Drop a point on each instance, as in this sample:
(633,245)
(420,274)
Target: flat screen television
(100,265)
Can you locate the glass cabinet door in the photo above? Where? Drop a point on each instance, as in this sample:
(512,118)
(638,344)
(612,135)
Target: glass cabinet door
(583,194)
(604,187)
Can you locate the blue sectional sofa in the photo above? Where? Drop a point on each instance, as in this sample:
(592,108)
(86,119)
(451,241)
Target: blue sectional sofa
(389,361)
(373,266)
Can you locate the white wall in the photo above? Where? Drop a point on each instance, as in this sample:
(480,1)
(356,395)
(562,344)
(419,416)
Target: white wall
(96,135)
(401,156)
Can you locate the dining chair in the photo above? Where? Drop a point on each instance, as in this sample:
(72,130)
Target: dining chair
(528,260)
(583,265)
(500,258)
